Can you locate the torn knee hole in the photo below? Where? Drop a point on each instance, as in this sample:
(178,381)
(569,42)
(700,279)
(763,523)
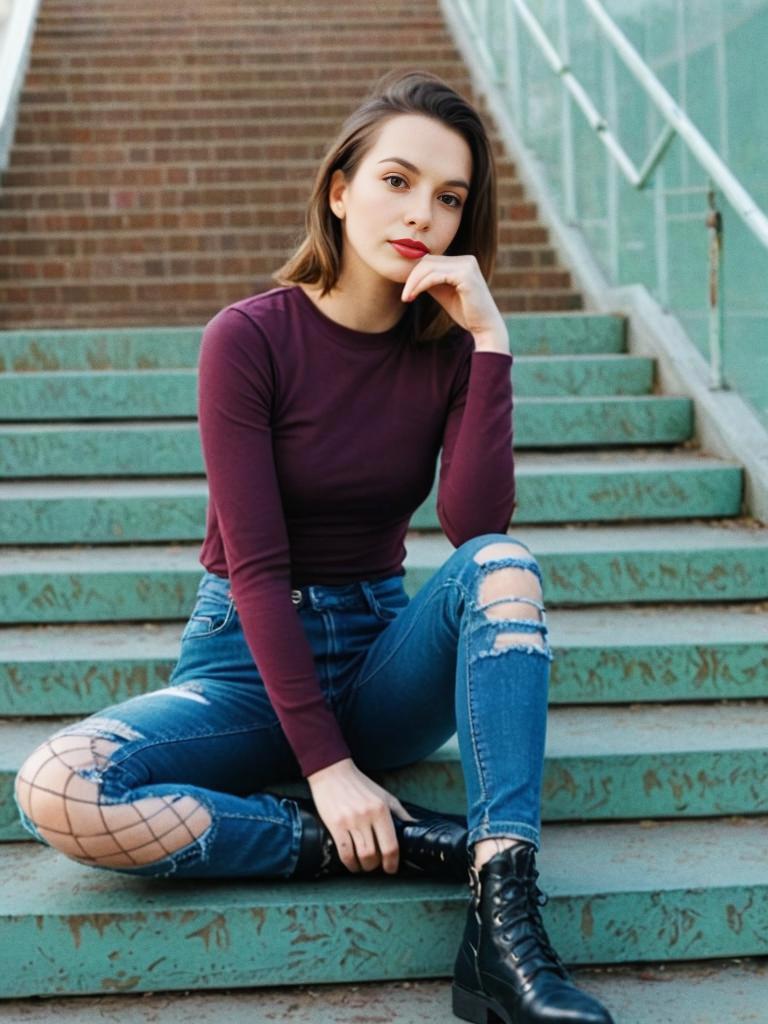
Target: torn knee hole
(508,608)
(67,811)
(50,769)
(501,549)
(144,831)
(508,586)
(516,639)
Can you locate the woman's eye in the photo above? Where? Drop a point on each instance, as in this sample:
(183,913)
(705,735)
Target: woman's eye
(455,201)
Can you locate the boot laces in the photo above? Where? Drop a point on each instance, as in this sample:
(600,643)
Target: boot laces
(521,899)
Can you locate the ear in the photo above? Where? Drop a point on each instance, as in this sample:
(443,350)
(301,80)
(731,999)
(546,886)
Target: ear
(336,192)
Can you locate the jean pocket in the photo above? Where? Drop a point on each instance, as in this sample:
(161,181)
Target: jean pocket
(388,607)
(210,616)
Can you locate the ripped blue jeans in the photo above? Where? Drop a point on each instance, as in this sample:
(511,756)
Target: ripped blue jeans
(402,676)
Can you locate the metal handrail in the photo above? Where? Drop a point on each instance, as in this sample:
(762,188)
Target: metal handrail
(677,123)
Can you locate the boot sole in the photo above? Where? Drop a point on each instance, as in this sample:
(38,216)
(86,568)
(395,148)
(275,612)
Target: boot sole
(475,1007)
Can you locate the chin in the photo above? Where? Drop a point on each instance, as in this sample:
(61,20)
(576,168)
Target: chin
(393,276)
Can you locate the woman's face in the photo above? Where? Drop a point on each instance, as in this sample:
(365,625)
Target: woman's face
(387,200)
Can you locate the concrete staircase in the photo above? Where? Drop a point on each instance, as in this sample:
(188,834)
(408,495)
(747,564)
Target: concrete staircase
(149,186)
(163,157)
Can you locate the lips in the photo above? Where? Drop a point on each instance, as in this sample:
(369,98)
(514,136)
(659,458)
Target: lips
(411,244)
(410,249)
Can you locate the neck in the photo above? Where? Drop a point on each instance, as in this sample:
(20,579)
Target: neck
(372,304)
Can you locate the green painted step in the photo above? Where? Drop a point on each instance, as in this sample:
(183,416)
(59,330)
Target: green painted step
(551,487)
(708,992)
(590,565)
(647,653)
(641,562)
(173,447)
(141,394)
(147,348)
(618,893)
(658,653)
(602,763)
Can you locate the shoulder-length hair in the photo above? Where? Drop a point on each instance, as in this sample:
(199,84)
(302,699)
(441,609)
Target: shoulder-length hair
(318,258)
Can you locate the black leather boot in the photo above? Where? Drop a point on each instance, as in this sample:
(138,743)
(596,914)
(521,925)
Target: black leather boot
(434,846)
(505,963)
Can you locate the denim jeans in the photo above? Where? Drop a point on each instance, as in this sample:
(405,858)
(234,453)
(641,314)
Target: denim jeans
(402,676)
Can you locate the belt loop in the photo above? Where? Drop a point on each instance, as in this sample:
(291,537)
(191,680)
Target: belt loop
(365,586)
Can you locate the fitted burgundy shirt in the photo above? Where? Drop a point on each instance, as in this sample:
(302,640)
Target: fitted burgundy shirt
(319,443)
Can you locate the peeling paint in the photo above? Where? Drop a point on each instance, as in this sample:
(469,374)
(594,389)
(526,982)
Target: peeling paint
(651,781)
(77,922)
(260,915)
(587,920)
(735,918)
(218,928)
(121,984)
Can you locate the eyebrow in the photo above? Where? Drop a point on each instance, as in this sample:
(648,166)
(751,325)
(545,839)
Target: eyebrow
(412,167)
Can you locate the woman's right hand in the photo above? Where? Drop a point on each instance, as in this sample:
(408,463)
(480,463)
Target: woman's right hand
(358,814)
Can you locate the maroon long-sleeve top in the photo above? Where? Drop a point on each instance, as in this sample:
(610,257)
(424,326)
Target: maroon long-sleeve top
(319,443)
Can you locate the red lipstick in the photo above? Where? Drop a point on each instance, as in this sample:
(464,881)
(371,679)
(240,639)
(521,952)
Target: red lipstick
(409,248)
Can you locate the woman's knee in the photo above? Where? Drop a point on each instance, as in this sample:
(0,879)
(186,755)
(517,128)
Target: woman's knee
(65,806)
(48,784)
(509,588)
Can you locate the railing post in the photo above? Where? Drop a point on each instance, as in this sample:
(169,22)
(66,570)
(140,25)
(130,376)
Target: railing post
(661,240)
(716,303)
(611,172)
(569,184)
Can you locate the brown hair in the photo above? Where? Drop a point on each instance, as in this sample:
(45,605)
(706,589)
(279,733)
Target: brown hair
(318,258)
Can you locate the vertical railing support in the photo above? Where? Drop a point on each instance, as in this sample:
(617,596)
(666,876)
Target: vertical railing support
(715,226)
(566,135)
(660,237)
(611,171)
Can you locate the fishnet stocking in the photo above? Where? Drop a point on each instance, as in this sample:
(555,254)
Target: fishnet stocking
(68,813)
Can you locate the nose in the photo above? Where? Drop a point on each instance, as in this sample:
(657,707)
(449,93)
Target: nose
(419,212)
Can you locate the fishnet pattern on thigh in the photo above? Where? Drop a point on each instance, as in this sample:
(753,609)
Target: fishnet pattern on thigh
(68,812)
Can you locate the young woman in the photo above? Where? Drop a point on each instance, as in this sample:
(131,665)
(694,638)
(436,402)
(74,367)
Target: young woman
(323,406)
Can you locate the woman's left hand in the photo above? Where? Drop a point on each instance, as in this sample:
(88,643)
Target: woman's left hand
(458,285)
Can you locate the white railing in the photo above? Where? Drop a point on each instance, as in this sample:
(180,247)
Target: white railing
(496,42)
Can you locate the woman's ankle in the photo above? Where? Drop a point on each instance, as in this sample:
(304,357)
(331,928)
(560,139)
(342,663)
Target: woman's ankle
(484,849)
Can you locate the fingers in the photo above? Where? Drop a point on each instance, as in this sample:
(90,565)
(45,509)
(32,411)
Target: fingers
(389,849)
(346,849)
(358,813)
(435,270)
(369,844)
(430,280)
(376,843)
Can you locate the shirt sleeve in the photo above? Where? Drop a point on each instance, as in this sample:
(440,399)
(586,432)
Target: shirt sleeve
(235,390)
(476,487)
